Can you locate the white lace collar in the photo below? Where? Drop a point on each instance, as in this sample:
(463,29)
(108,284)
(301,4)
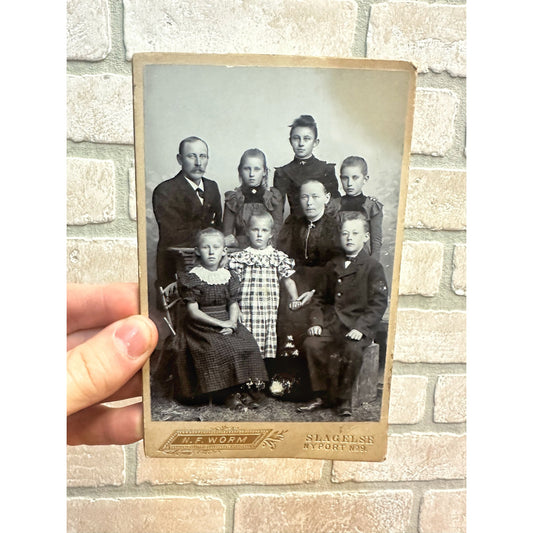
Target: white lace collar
(217,277)
(265,251)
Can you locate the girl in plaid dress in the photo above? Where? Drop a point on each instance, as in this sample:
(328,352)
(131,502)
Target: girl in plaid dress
(225,356)
(261,268)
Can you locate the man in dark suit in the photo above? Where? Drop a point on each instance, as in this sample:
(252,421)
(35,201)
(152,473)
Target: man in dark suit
(185,204)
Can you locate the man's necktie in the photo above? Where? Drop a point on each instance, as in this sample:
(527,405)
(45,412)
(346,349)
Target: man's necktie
(200,193)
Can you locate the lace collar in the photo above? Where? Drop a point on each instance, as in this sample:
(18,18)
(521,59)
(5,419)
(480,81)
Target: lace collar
(265,251)
(217,277)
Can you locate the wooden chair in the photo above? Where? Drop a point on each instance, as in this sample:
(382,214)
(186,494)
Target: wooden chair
(169,297)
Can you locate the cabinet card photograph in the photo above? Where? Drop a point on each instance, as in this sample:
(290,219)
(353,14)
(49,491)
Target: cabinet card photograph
(270,203)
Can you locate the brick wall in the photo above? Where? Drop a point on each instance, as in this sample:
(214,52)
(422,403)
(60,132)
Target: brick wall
(421,486)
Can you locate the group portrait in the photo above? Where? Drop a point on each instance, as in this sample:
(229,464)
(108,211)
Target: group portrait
(270,207)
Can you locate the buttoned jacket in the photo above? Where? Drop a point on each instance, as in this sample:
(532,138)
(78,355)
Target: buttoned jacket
(180,214)
(353,298)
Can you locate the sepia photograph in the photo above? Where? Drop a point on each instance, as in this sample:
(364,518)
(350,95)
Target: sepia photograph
(270,203)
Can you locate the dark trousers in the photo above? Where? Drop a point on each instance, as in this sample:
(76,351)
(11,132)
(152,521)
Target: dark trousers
(334,362)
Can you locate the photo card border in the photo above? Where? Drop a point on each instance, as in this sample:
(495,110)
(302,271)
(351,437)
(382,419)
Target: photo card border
(354,441)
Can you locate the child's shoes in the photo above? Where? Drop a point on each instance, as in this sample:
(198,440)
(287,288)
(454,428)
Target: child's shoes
(234,402)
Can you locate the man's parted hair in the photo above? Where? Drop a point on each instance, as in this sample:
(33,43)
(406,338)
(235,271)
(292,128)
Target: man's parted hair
(189,140)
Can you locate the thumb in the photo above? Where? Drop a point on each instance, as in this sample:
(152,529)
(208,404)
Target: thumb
(101,365)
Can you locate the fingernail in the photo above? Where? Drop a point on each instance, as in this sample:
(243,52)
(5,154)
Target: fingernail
(133,336)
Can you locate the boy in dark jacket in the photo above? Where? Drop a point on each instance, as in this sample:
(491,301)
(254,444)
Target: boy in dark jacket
(344,318)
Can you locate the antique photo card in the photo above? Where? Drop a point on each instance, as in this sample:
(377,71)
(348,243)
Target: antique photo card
(270,204)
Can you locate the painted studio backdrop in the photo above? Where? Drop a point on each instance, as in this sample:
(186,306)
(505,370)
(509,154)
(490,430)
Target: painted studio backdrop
(358,112)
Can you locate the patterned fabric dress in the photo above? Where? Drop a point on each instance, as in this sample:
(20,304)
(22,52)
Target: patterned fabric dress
(260,272)
(220,361)
(243,202)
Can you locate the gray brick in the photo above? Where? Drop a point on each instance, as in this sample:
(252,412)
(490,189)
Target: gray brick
(100,108)
(362,512)
(434,121)
(426,336)
(101,260)
(432,36)
(450,399)
(436,199)
(421,268)
(443,510)
(88,30)
(233,26)
(459,270)
(95,466)
(90,191)
(146,515)
(411,457)
(407,399)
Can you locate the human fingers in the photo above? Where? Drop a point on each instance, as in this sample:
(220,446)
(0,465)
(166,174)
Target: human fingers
(105,425)
(78,337)
(131,389)
(94,306)
(100,366)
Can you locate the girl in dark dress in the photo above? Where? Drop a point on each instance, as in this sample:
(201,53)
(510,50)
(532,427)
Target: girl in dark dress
(252,197)
(225,356)
(288,179)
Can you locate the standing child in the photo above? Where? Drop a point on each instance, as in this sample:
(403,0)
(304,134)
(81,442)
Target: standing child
(261,268)
(224,353)
(344,318)
(305,166)
(251,197)
(354,175)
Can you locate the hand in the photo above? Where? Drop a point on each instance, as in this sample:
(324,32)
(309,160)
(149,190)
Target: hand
(306,297)
(228,324)
(226,331)
(314,331)
(106,348)
(354,334)
(294,305)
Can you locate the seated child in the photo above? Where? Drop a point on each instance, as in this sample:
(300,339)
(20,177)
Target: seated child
(224,353)
(354,175)
(252,196)
(344,317)
(261,268)
(289,178)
